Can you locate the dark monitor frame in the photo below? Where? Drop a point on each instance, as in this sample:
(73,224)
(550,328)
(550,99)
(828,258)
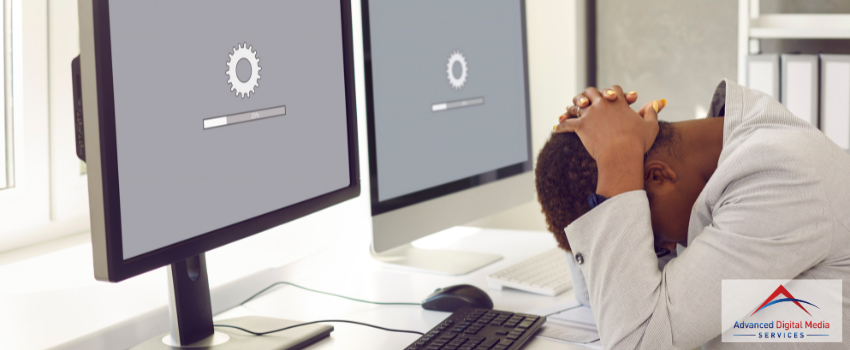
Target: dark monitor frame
(380,207)
(119,269)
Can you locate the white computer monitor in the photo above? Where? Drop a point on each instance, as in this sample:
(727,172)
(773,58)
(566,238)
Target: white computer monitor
(448,121)
(208,121)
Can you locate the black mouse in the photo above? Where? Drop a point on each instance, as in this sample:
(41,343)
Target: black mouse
(455,297)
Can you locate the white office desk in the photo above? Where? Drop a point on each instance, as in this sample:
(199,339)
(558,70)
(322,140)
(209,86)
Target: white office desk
(350,271)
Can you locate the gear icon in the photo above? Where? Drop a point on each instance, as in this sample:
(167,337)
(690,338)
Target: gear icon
(243,88)
(457,83)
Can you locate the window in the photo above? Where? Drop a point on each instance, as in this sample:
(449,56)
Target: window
(68,183)
(6,160)
(43,194)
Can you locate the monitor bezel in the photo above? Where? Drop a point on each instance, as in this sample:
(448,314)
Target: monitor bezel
(379,207)
(118,268)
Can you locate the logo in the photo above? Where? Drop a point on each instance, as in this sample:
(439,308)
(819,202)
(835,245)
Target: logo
(781,290)
(243,53)
(813,313)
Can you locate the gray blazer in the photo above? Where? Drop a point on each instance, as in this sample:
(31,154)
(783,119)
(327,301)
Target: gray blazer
(777,207)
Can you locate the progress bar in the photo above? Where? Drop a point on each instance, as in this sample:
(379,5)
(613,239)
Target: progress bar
(437,107)
(225,120)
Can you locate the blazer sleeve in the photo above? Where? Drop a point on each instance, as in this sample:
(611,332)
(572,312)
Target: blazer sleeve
(765,225)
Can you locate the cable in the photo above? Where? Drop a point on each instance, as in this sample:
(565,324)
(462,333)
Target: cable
(308,323)
(321,292)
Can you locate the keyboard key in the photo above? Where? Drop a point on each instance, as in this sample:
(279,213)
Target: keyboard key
(525,324)
(506,342)
(546,273)
(489,342)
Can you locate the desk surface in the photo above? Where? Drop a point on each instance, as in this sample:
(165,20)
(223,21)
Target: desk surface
(352,272)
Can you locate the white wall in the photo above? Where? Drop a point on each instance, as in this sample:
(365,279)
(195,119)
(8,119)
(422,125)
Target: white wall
(673,49)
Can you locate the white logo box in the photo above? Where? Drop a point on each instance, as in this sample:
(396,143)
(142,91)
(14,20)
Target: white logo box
(790,324)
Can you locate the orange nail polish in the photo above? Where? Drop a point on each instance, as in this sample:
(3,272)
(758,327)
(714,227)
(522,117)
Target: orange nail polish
(663,103)
(655,106)
(632,92)
(555,127)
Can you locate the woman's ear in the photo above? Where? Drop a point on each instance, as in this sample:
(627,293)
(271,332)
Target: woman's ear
(658,174)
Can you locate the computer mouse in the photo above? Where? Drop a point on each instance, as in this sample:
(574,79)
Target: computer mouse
(455,297)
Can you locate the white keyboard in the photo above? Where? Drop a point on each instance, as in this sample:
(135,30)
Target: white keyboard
(546,273)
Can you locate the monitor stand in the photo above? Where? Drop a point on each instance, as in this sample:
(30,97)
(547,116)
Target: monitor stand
(446,262)
(192,323)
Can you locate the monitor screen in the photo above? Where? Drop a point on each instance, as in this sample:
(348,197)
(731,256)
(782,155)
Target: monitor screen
(448,96)
(224,111)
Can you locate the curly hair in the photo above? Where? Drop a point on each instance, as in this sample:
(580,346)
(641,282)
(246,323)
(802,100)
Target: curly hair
(566,174)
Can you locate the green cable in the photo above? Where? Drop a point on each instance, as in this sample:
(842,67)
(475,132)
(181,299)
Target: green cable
(314,322)
(321,292)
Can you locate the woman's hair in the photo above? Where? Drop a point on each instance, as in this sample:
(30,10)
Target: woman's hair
(566,174)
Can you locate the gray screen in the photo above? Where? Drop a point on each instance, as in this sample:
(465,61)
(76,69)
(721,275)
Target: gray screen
(200,145)
(433,123)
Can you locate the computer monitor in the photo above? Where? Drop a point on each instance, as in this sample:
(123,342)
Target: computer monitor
(208,121)
(448,121)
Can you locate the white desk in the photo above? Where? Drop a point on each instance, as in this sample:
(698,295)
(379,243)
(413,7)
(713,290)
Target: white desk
(350,271)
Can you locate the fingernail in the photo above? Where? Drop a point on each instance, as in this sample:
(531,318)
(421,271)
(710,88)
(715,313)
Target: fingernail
(609,92)
(555,127)
(663,103)
(632,92)
(582,101)
(655,106)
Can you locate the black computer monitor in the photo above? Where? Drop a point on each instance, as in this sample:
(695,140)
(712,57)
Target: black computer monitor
(208,121)
(449,122)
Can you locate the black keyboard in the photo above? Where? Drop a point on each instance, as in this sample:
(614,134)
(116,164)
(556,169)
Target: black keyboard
(480,329)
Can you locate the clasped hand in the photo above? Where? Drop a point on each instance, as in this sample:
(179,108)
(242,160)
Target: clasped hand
(607,125)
